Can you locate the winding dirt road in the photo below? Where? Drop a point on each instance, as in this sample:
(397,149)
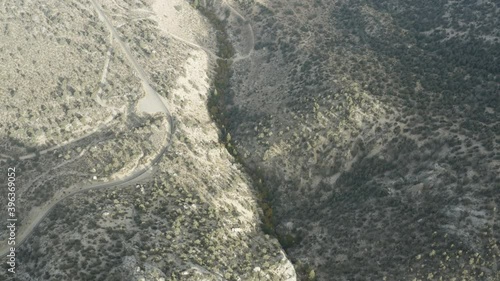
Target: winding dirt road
(251,46)
(36,215)
(238,56)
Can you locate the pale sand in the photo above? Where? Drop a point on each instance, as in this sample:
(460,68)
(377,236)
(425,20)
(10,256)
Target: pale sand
(177,17)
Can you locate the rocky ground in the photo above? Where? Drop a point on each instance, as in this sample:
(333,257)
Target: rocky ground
(196,217)
(376,134)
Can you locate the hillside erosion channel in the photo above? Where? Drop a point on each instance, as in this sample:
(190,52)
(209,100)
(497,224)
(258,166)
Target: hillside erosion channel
(220,97)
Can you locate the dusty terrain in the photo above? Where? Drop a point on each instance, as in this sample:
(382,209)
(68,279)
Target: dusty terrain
(353,139)
(193,216)
(376,134)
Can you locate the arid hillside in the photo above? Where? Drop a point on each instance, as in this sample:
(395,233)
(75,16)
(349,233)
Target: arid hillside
(374,126)
(119,171)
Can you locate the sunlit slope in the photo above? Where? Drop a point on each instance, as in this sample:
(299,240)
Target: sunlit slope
(375,127)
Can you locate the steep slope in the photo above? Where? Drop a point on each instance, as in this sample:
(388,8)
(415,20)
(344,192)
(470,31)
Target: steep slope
(374,127)
(194,215)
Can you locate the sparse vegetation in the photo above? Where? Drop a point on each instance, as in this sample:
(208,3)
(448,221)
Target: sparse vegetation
(360,136)
(373,124)
(192,217)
